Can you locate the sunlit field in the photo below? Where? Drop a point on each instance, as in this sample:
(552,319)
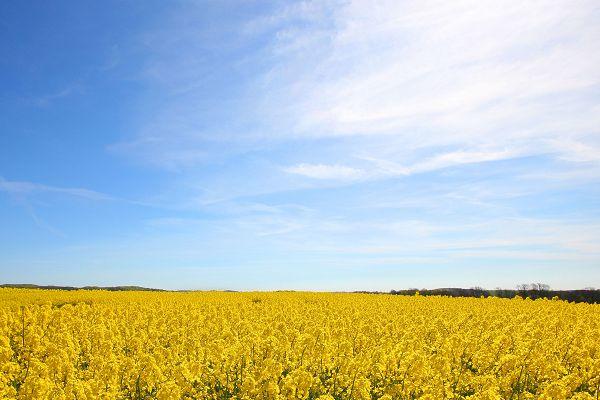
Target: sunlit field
(215,345)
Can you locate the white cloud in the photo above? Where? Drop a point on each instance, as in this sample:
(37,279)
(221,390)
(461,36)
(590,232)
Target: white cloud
(464,68)
(572,150)
(380,168)
(465,76)
(323,171)
(461,157)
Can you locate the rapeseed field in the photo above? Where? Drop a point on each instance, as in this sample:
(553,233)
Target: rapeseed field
(288,345)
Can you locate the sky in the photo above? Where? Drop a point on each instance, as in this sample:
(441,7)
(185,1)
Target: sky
(326,145)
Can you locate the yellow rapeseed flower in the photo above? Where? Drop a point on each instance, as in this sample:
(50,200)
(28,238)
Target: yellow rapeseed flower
(314,346)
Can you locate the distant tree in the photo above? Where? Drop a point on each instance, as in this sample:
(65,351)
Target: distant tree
(533,286)
(523,287)
(540,287)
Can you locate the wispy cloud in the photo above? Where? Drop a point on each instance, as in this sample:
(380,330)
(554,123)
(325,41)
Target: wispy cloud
(24,192)
(464,68)
(467,77)
(322,171)
(23,188)
(380,168)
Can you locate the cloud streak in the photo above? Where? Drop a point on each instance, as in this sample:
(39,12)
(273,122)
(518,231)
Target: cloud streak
(379,168)
(329,172)
(24,188)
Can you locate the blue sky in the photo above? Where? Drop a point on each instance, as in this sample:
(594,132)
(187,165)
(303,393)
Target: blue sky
(328,145)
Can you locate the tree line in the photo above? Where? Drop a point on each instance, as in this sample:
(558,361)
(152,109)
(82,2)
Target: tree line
(525,290)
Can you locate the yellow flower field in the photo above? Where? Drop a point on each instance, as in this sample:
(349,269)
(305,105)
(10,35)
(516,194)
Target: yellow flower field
(216,345)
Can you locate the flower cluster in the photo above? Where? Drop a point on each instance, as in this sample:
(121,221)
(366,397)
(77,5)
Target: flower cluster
(211,345)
